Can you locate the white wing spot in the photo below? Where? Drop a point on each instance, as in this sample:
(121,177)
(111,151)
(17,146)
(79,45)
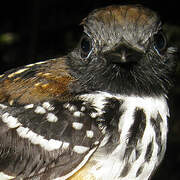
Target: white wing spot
(72,108)
(40,110)
(94,114)
(66,105)
(77,125)
(65,145)
(100,119)
(78,114)
(37,139)
(89,134)
(48,106)
(54,144)
(29,106)
(51,117)
(80,149)
(11,121)
(22,131)
(83,108)
(96,142)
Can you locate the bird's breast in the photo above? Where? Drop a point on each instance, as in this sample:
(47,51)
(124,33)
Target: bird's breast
(135,136)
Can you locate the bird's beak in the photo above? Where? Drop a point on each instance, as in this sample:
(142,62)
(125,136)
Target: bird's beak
(123,54)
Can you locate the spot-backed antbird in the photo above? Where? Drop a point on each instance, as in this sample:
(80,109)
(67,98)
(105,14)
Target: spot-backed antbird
(98,113)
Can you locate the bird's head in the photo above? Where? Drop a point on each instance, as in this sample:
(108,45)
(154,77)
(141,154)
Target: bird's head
(122,50)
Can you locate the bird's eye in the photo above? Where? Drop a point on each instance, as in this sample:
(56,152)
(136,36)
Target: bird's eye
(160,42)
(86,46)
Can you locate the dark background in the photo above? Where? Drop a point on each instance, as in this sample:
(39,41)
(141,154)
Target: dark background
(35,30)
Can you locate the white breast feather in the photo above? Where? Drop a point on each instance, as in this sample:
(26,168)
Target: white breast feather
(110,166)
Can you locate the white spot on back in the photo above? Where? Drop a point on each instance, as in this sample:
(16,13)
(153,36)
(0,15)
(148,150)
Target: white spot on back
(77,125)
(51,117)
(48,106)
(40,110)
(29,106)
(80,149)
(89,134)
(11,102)
(1,75)
(21,70)
(47,74)
(11,121)
(30,65)
(17,72)
(41,62)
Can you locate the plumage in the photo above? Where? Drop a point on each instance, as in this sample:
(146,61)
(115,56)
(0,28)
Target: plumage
(100,112)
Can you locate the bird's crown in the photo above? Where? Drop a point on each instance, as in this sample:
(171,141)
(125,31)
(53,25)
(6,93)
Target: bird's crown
(133,24)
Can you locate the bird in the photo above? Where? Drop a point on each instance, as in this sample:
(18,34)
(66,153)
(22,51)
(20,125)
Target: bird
(98,113)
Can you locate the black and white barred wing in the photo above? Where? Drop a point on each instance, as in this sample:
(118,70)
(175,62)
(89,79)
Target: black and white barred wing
(46,140)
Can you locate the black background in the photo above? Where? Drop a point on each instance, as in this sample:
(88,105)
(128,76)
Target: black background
(42,29)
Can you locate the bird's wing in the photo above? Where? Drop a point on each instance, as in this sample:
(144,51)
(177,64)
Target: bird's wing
(41,135)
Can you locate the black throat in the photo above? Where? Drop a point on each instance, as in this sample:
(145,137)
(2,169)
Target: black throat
(145,77)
